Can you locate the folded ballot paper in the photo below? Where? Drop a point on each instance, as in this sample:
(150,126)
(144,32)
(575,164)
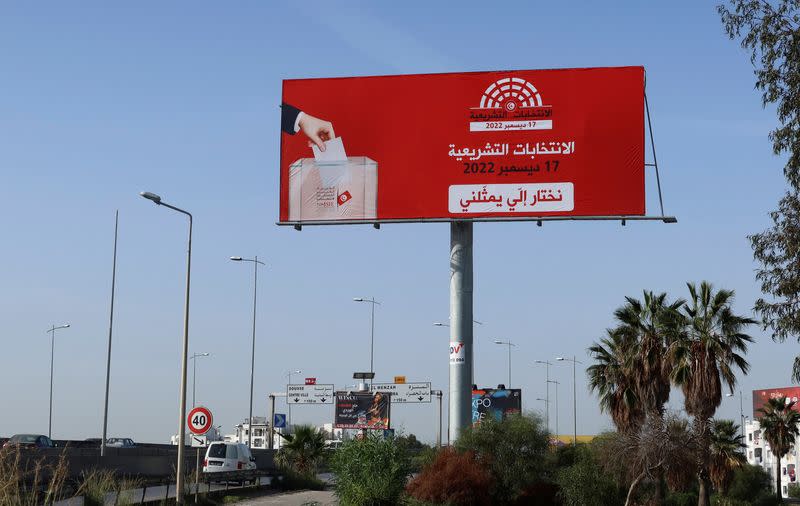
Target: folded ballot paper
(333,186)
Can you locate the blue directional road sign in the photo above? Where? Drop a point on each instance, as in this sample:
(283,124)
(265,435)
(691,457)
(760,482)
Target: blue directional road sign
(279,422)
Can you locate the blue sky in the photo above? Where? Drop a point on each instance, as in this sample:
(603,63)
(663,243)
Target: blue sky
(100,101)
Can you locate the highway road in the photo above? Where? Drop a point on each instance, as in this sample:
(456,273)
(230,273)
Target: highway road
(158,492)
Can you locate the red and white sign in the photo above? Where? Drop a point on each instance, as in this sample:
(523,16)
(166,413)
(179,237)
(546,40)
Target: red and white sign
(311,381)
(199,420)
(524,143)
(458,353)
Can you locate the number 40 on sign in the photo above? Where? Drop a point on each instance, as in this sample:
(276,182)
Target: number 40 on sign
(199,420)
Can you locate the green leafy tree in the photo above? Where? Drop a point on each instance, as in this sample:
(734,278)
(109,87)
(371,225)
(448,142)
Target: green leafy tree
(514,450)
(706,355)
(726,453)
(612,377)
(585,483)
(749,483)
(779,422)
(304,450)
(770,32)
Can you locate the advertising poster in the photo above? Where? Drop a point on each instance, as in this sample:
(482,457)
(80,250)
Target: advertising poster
(362,411)
(498,404)
(500,144)
(760,397)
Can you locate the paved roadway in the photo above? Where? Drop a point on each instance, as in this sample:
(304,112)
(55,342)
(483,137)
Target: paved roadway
(158,492)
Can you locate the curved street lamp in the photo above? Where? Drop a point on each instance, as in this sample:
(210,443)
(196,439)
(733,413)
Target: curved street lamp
(256,262)
(156,199)
(52,332)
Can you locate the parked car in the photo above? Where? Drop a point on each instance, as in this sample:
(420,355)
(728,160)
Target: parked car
(92,442)
(120,442)
(225,457)
(30,441)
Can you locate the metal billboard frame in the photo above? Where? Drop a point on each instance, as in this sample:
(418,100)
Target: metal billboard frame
(298,225)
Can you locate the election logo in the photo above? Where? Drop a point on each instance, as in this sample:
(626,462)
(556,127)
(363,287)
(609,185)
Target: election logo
(511,103)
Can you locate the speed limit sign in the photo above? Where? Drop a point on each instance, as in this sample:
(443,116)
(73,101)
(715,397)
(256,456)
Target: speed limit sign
(199,420)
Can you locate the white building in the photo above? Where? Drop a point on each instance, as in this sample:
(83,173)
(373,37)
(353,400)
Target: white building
(760,454)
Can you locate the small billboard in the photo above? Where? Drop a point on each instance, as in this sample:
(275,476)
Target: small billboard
(760,397)
(495,403)
(357,410)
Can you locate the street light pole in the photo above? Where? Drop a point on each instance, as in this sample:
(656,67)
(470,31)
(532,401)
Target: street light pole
(741,411)
(256,262)
(179,471)
(509,344)
(193,358)
(52,332)
(574,397)
(110,330)
(556,383)
(372,332)
(546,407)
(547,389)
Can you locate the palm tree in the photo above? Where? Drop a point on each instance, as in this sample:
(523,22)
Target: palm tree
(704,357)
(779,421)
(304,450)
(611,376)
(726,453)
(650,326)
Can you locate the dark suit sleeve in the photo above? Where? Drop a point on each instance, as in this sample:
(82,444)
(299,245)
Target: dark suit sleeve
(289,114)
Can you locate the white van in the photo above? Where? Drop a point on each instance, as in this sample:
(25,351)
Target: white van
(226,457)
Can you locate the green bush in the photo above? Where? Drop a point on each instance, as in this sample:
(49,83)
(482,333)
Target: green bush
(290,479)
(370,472)
(794,490)
(749,483)
(681,499)
(585,484)
(762,499)
(514,450)
(718,500)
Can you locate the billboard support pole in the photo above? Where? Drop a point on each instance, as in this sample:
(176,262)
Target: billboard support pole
(460,415)
(271,442)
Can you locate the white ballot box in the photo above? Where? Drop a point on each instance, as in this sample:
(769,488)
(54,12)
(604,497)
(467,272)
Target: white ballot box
(345,190)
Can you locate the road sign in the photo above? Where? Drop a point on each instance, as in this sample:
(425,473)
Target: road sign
(400,379)
(405,392)
(363,375)
(309,394)
(279,421)
(200,420)
(311,381)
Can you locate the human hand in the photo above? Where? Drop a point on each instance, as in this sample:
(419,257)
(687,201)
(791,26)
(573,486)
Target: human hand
(317,130)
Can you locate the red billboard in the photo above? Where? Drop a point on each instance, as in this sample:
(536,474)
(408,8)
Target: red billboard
(501,144)
(760,397)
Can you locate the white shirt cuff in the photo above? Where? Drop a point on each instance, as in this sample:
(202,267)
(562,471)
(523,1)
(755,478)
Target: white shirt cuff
(297,122)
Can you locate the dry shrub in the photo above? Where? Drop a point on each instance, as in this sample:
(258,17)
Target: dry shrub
(26,482)
(453,478)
